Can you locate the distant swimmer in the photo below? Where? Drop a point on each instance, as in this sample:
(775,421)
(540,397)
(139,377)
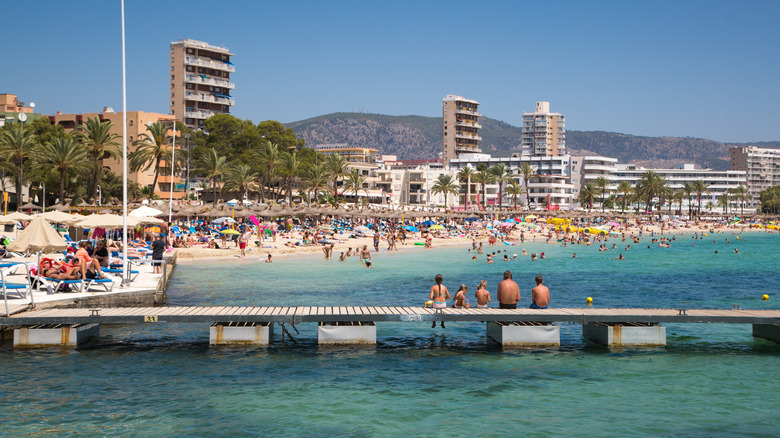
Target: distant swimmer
(483,296)
(574,255)
(489,260)
(540,295)
(736,251)
(620,257)
(439,294)
(268,260)
(508,292)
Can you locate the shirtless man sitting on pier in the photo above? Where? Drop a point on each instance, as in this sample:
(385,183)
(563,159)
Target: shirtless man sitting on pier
(508,292)
(540,295)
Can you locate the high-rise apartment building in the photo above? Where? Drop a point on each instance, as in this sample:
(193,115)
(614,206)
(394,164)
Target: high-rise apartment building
(461,127)
(200,81)
(544,133)
(763,169)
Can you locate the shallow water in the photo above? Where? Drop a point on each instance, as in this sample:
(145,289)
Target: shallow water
(711,379)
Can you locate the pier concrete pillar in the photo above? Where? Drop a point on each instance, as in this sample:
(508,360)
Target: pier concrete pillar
(625,334)
(54,335)
(524,334)
(346,333)
(240,333)
(767,331)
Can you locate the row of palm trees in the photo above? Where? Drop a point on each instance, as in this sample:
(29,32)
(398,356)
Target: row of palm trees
(499,174)
(652,186)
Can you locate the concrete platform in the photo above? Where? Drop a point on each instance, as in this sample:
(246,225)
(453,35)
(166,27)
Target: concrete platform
(523,334)
(54,335)
(240,333)
(346,333)
(767,331)
(625,335)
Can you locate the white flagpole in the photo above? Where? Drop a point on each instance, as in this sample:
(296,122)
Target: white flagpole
(125,241)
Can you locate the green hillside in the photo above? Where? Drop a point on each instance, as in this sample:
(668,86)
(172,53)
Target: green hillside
(418,137)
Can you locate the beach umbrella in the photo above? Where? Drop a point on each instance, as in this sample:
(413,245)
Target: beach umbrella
(59,207)
(428,223)
(29,206)
(38,237)
(145,211)
(411,228)
(223,219)
(58,217)
(133,221)
(102,221)
(436,227)
(230,231)
(18,216)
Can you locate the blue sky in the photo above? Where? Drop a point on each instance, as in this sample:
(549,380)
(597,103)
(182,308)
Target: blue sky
(683,68)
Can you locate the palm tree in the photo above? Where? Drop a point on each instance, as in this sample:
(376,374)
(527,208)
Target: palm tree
(741,193)
(290,170)
(724,201)
(316,179)
(601,188)
(770,199)
(239,178)
(625,189)
(16,144)
(677,195)
(515,189)
(151,150)
(501,175)
(354,182)
(464,175)
(587,193)
(445,184)
(699,187)
(687,189)
(269,156)
(483,178)
(709,206)
(649,186)
(101,143)
(527,172)
(63,155)
(336,166)
(212,165)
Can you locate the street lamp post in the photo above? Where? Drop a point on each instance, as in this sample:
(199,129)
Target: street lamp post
(22,118)
(187,181)
(100,195)
(43,196)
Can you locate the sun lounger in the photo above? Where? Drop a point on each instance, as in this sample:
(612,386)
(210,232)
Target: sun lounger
(107,283)
(7,287)
(58,283)
(133,274)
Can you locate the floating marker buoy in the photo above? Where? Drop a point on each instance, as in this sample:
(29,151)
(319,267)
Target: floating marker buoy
(589,300)
(765,297)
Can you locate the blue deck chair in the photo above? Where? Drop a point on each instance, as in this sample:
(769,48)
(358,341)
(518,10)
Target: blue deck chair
(107,283)
(59,283)
(7,287)
(118,272)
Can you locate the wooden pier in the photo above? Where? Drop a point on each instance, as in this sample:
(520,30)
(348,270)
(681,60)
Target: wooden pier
(767,321)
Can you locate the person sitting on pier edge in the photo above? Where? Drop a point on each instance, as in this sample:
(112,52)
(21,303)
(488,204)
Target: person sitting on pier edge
(540,295)
(483,296)
(460,298)
(508,292)
(439,294)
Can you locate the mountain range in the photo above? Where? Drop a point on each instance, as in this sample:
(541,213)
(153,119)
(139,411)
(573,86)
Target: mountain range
(420,137)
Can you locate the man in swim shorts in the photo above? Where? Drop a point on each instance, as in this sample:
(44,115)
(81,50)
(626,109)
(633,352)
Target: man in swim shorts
(365,257)
(508,292)
(540,295)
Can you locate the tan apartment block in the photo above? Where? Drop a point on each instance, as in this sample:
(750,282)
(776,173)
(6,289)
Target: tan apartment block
(544,133)
(137,121)
(200,81)
(460,127)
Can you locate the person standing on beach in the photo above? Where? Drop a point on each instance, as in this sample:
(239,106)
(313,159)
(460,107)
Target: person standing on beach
(540,295)
(243,240)
(376,241)
(508,292)
(439,294)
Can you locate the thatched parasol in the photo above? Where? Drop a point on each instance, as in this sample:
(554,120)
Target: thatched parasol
(29,206)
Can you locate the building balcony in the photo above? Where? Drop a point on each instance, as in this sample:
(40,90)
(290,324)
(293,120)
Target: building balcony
(202,62)
(588,168)
(468,124)
(462,110)
(203,97)
(199,114)
(197,79)
(416,180)
(468,136)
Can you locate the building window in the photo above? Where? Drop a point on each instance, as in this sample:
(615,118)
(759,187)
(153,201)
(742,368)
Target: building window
(173,77)
(131,123)
(172,94)
(190,51)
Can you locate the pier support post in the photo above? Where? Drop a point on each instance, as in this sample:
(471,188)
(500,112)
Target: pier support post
(625,334)
(346,333)
(240,333)
(767,331)
(524,334)
(54,335)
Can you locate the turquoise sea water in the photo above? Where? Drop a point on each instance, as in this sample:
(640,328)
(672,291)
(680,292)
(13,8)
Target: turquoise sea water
(165,380)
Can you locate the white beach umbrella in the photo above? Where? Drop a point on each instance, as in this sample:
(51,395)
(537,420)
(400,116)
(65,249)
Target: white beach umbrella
(145,211)
(102,221)
(58,217)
